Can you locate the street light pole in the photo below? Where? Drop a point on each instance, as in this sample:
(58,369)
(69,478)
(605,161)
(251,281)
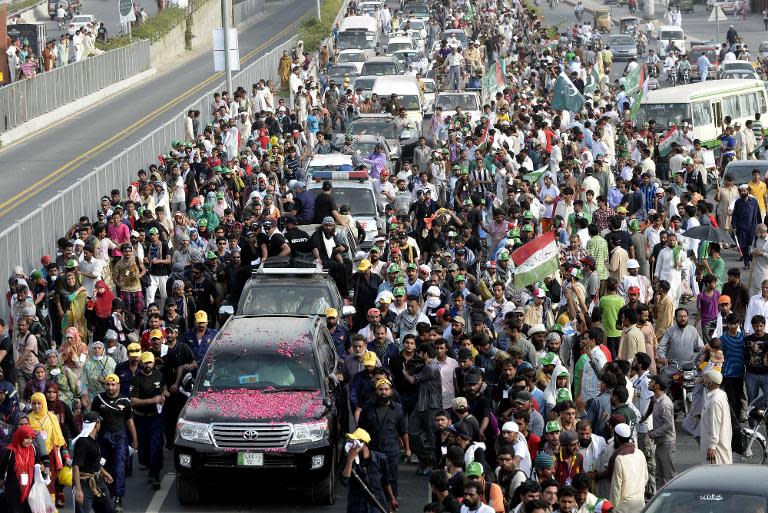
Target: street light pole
(317,4)
(227,63)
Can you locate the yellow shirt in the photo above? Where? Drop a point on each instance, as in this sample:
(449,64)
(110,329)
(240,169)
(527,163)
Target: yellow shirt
(758,191)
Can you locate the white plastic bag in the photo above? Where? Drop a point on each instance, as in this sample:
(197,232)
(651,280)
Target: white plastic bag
(40,500)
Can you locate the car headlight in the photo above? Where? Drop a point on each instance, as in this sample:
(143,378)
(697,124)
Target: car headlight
(194,431)
(309,432)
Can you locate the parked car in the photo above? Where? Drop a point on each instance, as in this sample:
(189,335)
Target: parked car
(86,21)
(265,402)
(714,488)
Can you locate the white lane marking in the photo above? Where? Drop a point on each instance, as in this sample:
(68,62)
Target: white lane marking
(159,497)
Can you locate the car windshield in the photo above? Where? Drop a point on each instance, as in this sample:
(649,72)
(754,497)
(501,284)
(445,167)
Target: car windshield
(666,35)
(81,19)
(351,57)
(256,366)
(275,298)
(355,40)
(621,41)
(429,86)
(665,113)
(343,69)
(451,101)
(706,501)
(366,148)
(379,68)
(361,201)
(742,173)
(402,45)
(740,66)
(385,129)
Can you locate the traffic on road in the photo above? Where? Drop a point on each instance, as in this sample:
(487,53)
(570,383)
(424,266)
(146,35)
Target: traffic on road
(469,256)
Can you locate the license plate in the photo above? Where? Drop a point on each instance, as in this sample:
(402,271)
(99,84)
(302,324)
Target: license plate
(250,459)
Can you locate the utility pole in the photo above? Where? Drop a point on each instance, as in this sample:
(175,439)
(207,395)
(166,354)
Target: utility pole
(317,4)
(227,63)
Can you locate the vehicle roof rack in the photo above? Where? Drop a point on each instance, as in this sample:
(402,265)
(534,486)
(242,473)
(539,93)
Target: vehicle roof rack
(306,271)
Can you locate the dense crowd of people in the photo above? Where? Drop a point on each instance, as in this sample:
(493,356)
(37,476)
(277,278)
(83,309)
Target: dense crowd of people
(510,394)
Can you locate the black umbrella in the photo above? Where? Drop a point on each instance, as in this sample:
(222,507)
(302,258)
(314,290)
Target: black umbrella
(708,232)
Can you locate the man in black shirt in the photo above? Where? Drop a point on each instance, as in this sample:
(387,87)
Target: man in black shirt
(117,416)
(157,259)
(328,248)
(148,394)
(87,472)
(325,204)
(274,244)
(297,238)
(178,361)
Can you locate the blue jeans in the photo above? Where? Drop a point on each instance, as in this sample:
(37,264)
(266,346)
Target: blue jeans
(90,503)
(454,77)
(149,431)
(756,383)
(114,449)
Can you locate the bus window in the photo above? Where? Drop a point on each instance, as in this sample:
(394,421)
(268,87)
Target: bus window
(701,114)
(748,104)
(731,107)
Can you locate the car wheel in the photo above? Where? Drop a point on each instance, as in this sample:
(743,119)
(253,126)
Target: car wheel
(323,492)
(187,490)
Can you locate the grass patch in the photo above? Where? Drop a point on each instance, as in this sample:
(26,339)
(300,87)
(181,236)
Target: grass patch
(19,5)
(153,29)
(312,31)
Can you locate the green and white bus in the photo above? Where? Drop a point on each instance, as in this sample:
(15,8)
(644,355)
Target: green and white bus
(704,105)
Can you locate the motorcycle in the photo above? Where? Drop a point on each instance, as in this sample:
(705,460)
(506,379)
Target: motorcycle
(579,13)
(685,75)
(672,75)
(682,379)
(552,4)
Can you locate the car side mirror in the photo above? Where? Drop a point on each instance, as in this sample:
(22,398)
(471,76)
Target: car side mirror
(348,311)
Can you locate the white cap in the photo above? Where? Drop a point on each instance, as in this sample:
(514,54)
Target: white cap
(536,328)
(433,291)
(622,430)
(510,427)
(714,376)
(539,293)
(633,264)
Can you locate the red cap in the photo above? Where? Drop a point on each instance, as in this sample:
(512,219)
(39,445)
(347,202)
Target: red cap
(45,259)
(374,311)
(384,173)
(633,290)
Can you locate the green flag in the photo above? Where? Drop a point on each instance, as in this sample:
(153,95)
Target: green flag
(633,81)
(566,96)
(593,82)
(535,176)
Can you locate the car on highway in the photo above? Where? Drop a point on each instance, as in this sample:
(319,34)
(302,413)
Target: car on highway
(82,21)
(667,34)
(377,124)
(338,72)
(369,7)
(364,82)
(329,162)
(714,488)
(622,46)
(416,24)
(418,10)
(737,69)
(266,401)
(728,6)
(360,196)
(356,57)
(397,43)
(380,66)
(468,102)
(415,58)
(741,170)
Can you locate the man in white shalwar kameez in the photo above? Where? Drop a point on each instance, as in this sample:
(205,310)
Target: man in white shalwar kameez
(715,423)
(669,265)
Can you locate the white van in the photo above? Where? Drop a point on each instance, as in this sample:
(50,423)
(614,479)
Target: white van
(408,94)
(358,33)
(667,33)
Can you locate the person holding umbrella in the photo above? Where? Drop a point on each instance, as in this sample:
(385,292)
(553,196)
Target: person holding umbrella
(746,217)
(366,473)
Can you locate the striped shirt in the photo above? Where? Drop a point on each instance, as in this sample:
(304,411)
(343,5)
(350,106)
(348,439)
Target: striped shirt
(597,247)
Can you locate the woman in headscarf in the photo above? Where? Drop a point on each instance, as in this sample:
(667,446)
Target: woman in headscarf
(67,384)
(115,350)
(94,371)
(119,322)
(208,214)
(73,351)
(37,383)
(100,309)
(72,298)
(47,425)
(17,469)
(195,211)
(63,413)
